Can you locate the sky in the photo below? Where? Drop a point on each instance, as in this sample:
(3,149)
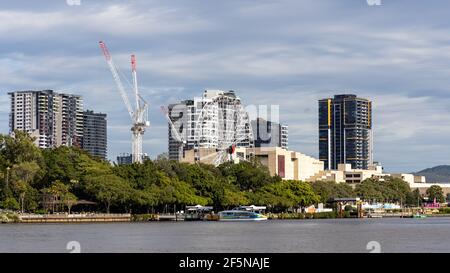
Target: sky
(287,52)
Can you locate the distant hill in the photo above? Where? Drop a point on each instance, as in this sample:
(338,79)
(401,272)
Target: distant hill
(437,174)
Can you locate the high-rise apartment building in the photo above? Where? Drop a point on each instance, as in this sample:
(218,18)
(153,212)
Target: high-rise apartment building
(345,131)
(269,134)
(215,120)
(95,133)
(53,119)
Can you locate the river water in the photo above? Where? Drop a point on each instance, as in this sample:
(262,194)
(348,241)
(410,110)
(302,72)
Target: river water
(331,235)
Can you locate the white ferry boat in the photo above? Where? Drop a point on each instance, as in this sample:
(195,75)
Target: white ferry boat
(243,213)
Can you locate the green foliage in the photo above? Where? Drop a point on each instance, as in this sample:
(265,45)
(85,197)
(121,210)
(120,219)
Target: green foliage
(388,190)
(248,176)
(436,192)
(297,215)
(144,217)
(328,190)
(444,210)
(325,215)
(17,149)
(109,189)
(285,194)
(349,208)
(414,198)
(10,203)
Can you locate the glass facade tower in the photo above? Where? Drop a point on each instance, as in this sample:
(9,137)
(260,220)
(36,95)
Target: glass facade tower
(345,131)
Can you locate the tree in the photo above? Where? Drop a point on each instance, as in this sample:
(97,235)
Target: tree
(248,176)
(370,190)
(22,175)
(233,198)
(60,193)
(414,198)
(18,148)
(69,199)
(436,192)
(109,189)
(25,171)
(388,190)
(329,189)
(163,156)
(10,203)
(285,194)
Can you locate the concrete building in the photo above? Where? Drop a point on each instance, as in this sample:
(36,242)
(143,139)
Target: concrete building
(345,132)
(127,159)
(269,134)
(95,133)
(346,174)
(53,119)
(214,121)
(420,182)
(281,162)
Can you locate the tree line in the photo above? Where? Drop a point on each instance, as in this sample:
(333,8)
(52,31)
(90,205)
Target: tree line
(67,178)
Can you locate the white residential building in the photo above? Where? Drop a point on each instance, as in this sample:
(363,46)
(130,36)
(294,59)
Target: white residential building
(53,119)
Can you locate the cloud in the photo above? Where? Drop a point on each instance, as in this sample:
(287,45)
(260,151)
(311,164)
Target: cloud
(290,53)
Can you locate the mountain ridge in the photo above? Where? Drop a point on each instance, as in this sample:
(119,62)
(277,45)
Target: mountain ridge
(437,174)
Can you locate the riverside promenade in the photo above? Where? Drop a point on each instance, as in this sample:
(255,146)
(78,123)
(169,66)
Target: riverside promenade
(73,218)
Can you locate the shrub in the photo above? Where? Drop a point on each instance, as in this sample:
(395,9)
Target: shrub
(41,211)
(143,217)
(325,215)
(348,208)
(10,203)
(444,210)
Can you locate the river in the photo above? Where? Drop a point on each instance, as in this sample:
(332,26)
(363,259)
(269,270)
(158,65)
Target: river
(330,235)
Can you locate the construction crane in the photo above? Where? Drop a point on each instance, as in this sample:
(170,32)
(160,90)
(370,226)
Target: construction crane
(138,115)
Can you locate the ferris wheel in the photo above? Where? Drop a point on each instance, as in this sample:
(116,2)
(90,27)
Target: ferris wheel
(222,125)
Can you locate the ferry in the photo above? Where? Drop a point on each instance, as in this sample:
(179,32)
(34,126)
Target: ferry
(243,213)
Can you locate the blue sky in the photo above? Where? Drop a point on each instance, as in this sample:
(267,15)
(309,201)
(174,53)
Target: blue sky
(286,52)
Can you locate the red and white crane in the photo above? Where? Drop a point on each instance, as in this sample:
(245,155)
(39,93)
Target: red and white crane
(139,114)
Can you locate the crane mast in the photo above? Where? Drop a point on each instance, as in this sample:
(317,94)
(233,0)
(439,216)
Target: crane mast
(139,116)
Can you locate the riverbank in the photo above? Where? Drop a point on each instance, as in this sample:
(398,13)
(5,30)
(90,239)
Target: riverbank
(64,218)
(12,217)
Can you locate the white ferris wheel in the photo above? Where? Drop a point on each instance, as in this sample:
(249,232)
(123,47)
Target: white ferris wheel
(222,125)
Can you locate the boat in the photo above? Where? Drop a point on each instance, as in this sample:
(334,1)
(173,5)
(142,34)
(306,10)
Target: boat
(241,215)
(419,216)
(198,213)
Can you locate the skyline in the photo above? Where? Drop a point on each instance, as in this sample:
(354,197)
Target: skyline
(290,53)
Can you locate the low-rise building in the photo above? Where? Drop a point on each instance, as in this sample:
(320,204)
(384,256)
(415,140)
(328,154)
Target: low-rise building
(284,163)
(346,174)
(279,161)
